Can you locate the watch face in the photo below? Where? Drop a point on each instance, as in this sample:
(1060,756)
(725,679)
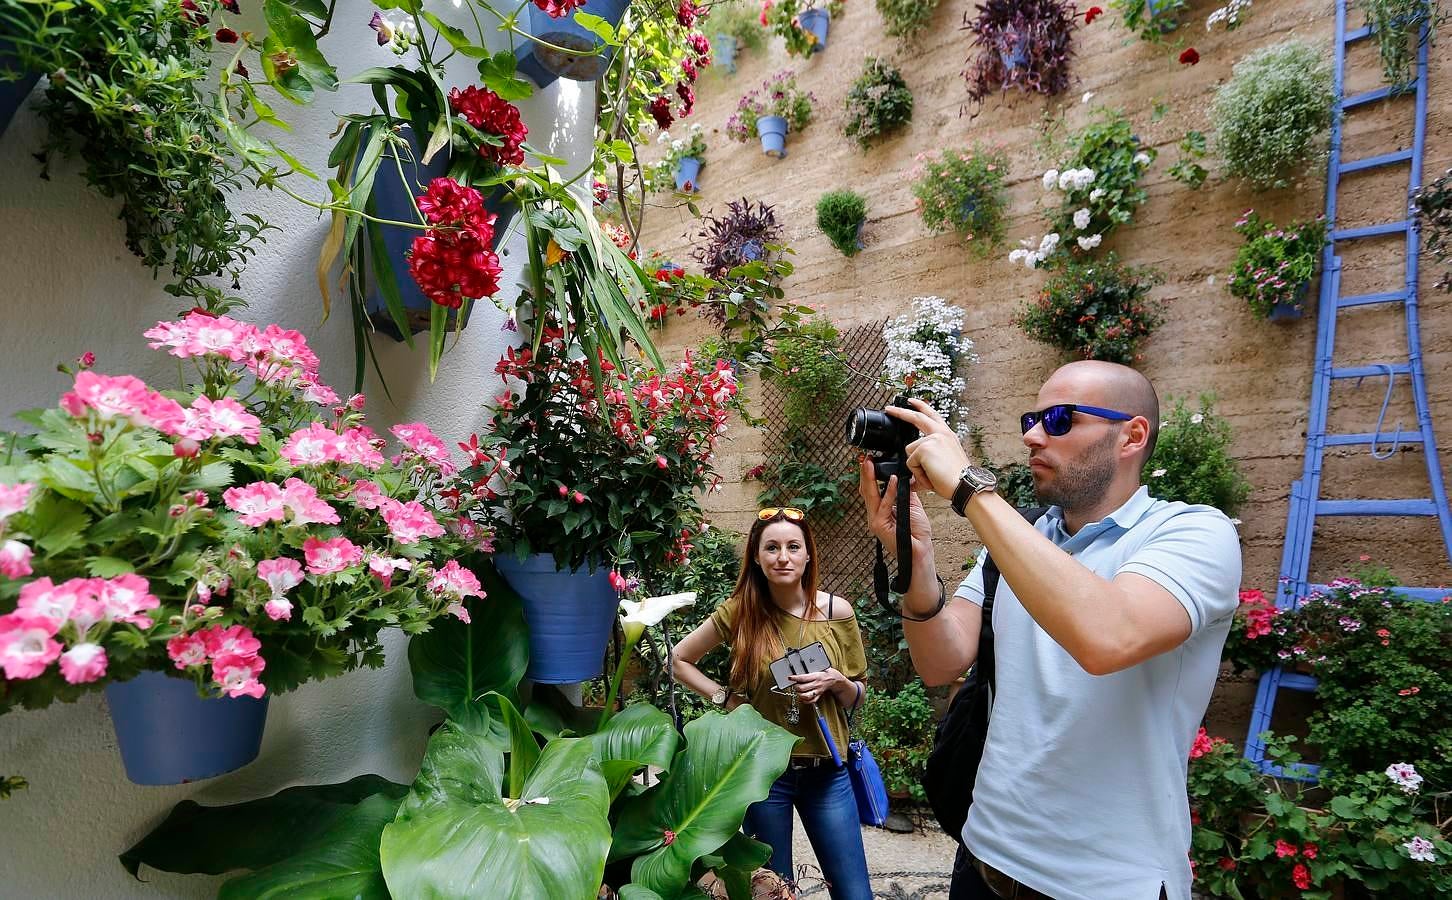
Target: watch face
(980,478)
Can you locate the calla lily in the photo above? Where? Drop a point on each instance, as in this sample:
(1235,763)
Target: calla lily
(638,616)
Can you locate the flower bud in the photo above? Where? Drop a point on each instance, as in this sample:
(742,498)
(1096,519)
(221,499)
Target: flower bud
(579,497)
(186,448)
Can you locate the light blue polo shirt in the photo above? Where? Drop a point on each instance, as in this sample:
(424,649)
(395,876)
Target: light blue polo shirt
(1081,792)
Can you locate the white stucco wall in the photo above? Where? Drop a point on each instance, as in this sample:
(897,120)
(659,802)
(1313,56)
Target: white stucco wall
(67,285)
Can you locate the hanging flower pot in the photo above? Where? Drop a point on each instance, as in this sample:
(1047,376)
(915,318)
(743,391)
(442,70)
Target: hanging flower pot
(773,132)
(724,48)
(1289,312)
(544,62)
(1013,51)
(170,735)
(393,199)
(570,616)
(816,21)
(688,174)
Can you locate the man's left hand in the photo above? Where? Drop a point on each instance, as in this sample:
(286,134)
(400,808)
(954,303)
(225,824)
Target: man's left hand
(936,459)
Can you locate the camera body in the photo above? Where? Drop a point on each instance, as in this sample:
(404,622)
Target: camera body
(877,432)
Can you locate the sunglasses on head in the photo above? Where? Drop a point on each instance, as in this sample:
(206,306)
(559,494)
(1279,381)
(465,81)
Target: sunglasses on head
(790,513)
(1059,418)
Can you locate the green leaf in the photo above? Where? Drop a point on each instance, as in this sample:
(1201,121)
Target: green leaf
(209,840)
(636,892)
(741,857)
(343,862)
(729,763)
(296,37)
(454,665)
(455,837)
(456,37)
(315,8)
(597,26)
(211,477)
(497,73)
(109,567)
(57,523)
(523,748)
(1346,808)
(641,735)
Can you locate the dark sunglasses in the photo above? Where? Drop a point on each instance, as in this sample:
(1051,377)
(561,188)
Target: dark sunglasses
(1059,418)
(790,513)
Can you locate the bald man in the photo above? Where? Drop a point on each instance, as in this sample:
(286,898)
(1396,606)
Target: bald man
(1108,626)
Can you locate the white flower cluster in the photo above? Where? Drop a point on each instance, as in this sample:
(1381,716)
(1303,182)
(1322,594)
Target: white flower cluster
(1032,257)
(1229,14)
(1405,776)
(926,349)
(1069,179)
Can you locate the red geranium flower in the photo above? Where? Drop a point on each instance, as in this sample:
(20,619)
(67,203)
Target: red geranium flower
(660,109)
(686,13)
(558,9)
(1093,13)
(446,202)
(452,264)
(1189,57)
(1301,876)
(491,113)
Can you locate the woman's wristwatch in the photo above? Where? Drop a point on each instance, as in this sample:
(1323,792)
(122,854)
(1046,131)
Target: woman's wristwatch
(719,698)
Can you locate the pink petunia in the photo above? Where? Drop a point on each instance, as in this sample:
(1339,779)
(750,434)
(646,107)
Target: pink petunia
(368,495)
(237,675)
(300,499)
(13,498)
(14,559)
(27,644)
(187,650)
(311,446)
(333,555)
(281,575)
(235,640)
(408,522)
(126,597)
(256,504)
(83,663)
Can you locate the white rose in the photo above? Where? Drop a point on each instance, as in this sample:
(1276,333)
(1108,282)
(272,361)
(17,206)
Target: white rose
(1081,219)
(1051,177)
(1090,242)
(1141,159)
(1095,194)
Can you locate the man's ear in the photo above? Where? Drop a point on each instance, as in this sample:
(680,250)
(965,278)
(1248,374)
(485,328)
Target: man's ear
(1136,436)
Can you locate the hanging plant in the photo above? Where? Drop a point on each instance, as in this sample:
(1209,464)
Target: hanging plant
(1433,205)
(1021,43)
(785,19)
(878,102)
(1150,27)
(963,191)
(840,215)
(1271,117)
(740,236)
(1274,266)
(1094,309)
(809,370)
(1397,26)
(905,18)
(1192,460)
(927,357)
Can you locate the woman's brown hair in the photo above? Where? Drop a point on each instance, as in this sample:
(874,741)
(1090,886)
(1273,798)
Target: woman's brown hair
(756,637)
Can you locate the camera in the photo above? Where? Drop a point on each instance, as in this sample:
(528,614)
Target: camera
(875,431)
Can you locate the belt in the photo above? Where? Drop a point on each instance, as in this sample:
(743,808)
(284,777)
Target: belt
(1004,886)
(809,762)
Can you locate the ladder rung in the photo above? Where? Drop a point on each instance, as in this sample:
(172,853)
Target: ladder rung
(1344,234)
(1431,595)
(1297,681)
(1357,35)
(1368,97)
(1386,440)
(1371,162)
(1420,507)
(1370,371)
(1368,299)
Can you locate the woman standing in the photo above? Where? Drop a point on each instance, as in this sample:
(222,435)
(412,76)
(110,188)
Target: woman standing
(776,606)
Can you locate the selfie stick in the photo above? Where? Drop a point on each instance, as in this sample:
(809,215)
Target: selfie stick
(827,736)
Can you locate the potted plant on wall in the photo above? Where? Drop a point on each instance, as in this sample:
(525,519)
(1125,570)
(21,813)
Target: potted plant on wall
(770,112)
(801,24)
(1193,461)
(905,19)
(744,233)
(240,545)
(599,466)
(1271,117)
(841,215)
(1432,204)
(878,102)
(1273,268)
(1398,28)
(734,28)
(680,168)
(963,191)
(928,356)
(1094,309)
(1020,43)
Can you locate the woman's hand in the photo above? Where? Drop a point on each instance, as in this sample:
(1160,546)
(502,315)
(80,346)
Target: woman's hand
(812,686)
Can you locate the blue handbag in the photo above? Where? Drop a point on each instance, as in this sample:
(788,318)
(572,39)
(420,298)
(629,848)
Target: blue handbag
(867,784)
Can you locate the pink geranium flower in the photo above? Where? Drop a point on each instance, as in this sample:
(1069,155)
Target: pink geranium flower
(27,644)
(83,663)
(333,555)
(256,504)
(455,581)
(187,650)
(315,392)
(281,575)
(279,350)
(311,446)
(408,522)
(54,601)
(223,418)
(237,675)
(14,559)
(278,609)
(383,568)
(358,447)
(421,440)
(306,506)
(201,334)
(118,397)
(235,640)
(13,498)
(125,597)
(368,495)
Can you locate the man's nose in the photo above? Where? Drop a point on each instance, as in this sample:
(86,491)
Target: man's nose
(1035,437)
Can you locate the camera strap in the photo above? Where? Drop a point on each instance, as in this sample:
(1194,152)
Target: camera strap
(904,578)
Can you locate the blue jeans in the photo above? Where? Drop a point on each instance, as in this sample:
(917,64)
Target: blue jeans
(823,797)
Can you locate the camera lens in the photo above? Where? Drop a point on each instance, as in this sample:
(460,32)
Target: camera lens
(873,430)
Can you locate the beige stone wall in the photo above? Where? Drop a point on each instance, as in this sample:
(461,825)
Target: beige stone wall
(1210,342)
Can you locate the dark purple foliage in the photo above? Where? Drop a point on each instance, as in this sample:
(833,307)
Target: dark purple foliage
(736,238)
(1020,43)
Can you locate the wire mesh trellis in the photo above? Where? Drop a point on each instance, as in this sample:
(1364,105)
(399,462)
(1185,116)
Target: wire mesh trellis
(844,545)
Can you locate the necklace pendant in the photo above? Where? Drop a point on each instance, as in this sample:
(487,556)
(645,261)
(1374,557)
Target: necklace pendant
(793,716)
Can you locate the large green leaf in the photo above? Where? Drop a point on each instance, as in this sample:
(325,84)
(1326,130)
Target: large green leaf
(454,665)
(456,837)
(342,862)
(641,735)
(739,858)
(209,840)
(729,763)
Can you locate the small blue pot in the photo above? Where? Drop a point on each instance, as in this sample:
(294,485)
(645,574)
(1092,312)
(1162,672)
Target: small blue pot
(773,132)
(570,617)
(688,174)
(1013,54)
(545,64)
(169,735)
(1289,312)
(817,22)
(724,47)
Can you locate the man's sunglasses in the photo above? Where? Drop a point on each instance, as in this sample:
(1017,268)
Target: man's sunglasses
(1059,418)
(790,513)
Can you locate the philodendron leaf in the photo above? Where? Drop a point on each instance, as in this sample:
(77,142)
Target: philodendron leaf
(342,862)
(454,665)
(455,836)
(729,763)
(209,840)
(641,735)
(741,856)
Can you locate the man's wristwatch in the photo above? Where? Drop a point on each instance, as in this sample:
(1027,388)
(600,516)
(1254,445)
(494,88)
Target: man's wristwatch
(972,480)
(719,698)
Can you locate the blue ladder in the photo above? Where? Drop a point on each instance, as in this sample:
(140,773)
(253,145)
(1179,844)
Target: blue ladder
(1306,504)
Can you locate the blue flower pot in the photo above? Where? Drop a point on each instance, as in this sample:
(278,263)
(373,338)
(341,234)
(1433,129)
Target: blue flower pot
(1014,52)
(752,250)
(724,47)
(773,132)
(544,64)
(170,735)
(570,617)
(393,198)
(688,174)
(1289,312)
(13,93)
(816,21)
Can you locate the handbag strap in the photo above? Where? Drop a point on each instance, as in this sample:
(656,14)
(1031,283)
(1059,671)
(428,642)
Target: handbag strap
(855,703)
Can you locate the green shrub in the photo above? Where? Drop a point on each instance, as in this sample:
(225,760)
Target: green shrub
(905,18)
(839,215)
(878,102)
(1271,117)
(1274,266)
(809,370)
(1192,461)
(962,191)
(1094,309)
(899,729)
(809,486)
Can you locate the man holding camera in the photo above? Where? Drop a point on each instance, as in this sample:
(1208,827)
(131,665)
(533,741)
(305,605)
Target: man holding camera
(1108,623)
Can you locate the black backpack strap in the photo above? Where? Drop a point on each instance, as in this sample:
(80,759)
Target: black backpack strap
(991,577)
